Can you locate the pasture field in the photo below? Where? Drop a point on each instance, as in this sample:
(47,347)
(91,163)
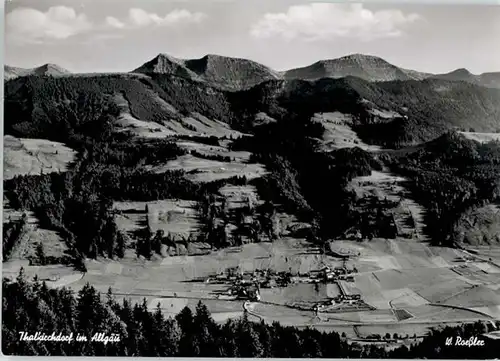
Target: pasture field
(338,132)
(287,224)
(240,196)
(50,273)
(402,314)
(168,281)
(9,214)
(286,315)
(34,156)
(173,216)
(377,316)
(411,285)
(476,274)
(383,185)
(25,248)
(474,297)
(384,114)
(302,293)
(207,170)
(213,150)
(494,311)
(481,137)
(209,127)
(262,118)
(349,331)
(220,310)
(400,329)
(487,267)
(435,314)
(173,124)
(404,297)
(487,252)
(126,122)
(414,275)
(359,317)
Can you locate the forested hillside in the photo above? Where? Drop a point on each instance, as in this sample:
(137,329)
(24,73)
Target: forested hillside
(80,111)
(427,108)
(450,176)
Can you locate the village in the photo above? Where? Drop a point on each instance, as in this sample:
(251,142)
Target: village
(248,285)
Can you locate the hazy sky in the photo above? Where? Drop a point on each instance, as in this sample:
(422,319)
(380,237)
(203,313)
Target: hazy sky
(120,35)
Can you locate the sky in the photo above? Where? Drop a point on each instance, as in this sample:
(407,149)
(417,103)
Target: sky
(121,35)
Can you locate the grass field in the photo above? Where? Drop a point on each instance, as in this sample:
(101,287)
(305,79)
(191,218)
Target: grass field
(34,156)
(173,124)
(240,196)
(212,150)
(388,289)
(411,285)
(173,216)
(206,170)
(302,293)
(413,275)
(481,137)
(382,185)
(400,329)
(26,246)
(384,114)
(338,132)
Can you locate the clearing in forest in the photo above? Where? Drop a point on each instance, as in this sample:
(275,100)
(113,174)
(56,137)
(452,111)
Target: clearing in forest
(24,156)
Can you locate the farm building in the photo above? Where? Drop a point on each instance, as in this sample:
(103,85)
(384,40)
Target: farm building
(248,292)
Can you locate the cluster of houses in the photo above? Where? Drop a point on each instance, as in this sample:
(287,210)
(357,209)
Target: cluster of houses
(247,285)
(249,292)
(337,274)
(341,302)
(347,298)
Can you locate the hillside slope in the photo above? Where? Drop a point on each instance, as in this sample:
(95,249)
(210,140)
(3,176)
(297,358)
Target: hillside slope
(51,107)
(420,110)
(432,106)
(490,80)
(426,108)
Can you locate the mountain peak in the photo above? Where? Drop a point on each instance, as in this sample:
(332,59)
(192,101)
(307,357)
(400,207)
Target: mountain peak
(167,57)
(358,57)
(367,67)
(215,57)
(217,70)
(460,74)
(461,71)
(49,69)
(164,64)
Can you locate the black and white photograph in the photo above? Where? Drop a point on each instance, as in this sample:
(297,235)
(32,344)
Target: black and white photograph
(251,179)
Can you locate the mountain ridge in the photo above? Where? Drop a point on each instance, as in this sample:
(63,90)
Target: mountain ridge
(48,69)
(233,73)
(421,110)
(367,67)
(225,72)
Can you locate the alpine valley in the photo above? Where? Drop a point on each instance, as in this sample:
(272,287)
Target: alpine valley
(215,207)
